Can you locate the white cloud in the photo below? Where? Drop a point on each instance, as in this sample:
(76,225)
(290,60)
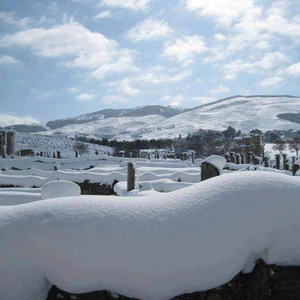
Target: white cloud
(125,88)
(45,95)
(269,62)
(203,100)
(220,89)
(199,80)
(85,97)
(111,99)
(103,15)
(225,12)
(184,49)
(173,100)
(74,90)
(85,49)
(159,75)
(11,19)
(8,60)
(136,5)
(220,37)
(294,69)
(8,119)
(149,29)
(270,81)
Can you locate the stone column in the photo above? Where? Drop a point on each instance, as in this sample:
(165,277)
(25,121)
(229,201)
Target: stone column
(237,159)
(232,158)
(266,162)
(277,161)
(130,177)
(242,158)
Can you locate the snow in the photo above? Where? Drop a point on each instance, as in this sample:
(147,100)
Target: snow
(217,161)
(50,142)
(60,188)
(153,247)
(52,189)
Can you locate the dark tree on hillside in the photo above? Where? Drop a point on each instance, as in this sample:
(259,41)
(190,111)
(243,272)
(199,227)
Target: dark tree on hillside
(295,145)
(279,147)
(81,147)
(256,131)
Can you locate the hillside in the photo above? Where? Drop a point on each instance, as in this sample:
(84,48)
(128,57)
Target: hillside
(153,122)
(142,111)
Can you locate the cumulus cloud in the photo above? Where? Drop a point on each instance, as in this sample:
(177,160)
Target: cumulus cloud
(9,60)
(269,62)
(270,81)
(293,69)
(173,100)
(74,90)
(183,50)
(8,119)
(220,89)
(149,29)
(103,15)
(85,49)
(159,75)
(113,99)
(225,12)
(85,97)
(11,19)
(135,5)
(126,88)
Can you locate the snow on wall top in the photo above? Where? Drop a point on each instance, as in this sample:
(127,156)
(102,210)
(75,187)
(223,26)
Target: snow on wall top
(150,248)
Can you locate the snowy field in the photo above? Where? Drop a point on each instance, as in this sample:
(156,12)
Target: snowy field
(151,247)
(171,235)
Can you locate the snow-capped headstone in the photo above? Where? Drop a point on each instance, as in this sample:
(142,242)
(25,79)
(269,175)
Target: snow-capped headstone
(212,167)
(60,188)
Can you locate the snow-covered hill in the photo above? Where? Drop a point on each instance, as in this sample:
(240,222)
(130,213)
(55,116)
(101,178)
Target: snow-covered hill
(141,111)
(244,113)
(147,122)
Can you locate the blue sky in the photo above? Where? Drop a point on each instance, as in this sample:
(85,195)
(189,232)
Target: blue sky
(65,58)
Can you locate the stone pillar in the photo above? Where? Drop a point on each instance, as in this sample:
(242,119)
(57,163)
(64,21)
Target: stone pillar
(242,158)
(193,158)
(277,161)
(237,159)
(249,158)
(266,162)
(232,158)
(58,154)
(255,160)
(285,165)
(6,143)
(76,154)
(227,157)
(130,177)
(295,169)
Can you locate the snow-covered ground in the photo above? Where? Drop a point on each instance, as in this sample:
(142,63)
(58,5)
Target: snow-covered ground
(152,247)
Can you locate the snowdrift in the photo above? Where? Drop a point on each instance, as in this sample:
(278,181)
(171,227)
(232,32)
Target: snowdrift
(153,247)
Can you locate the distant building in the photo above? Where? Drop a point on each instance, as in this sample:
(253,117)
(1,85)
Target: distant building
(7,142)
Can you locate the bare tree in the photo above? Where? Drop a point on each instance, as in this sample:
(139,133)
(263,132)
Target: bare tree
(81,147)
(295,145)
(279,147)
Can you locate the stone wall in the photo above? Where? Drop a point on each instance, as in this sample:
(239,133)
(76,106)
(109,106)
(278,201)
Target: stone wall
(266,282)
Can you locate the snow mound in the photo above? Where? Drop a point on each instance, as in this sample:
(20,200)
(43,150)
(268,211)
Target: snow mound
(217,161)
(154,247)
(60,188)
